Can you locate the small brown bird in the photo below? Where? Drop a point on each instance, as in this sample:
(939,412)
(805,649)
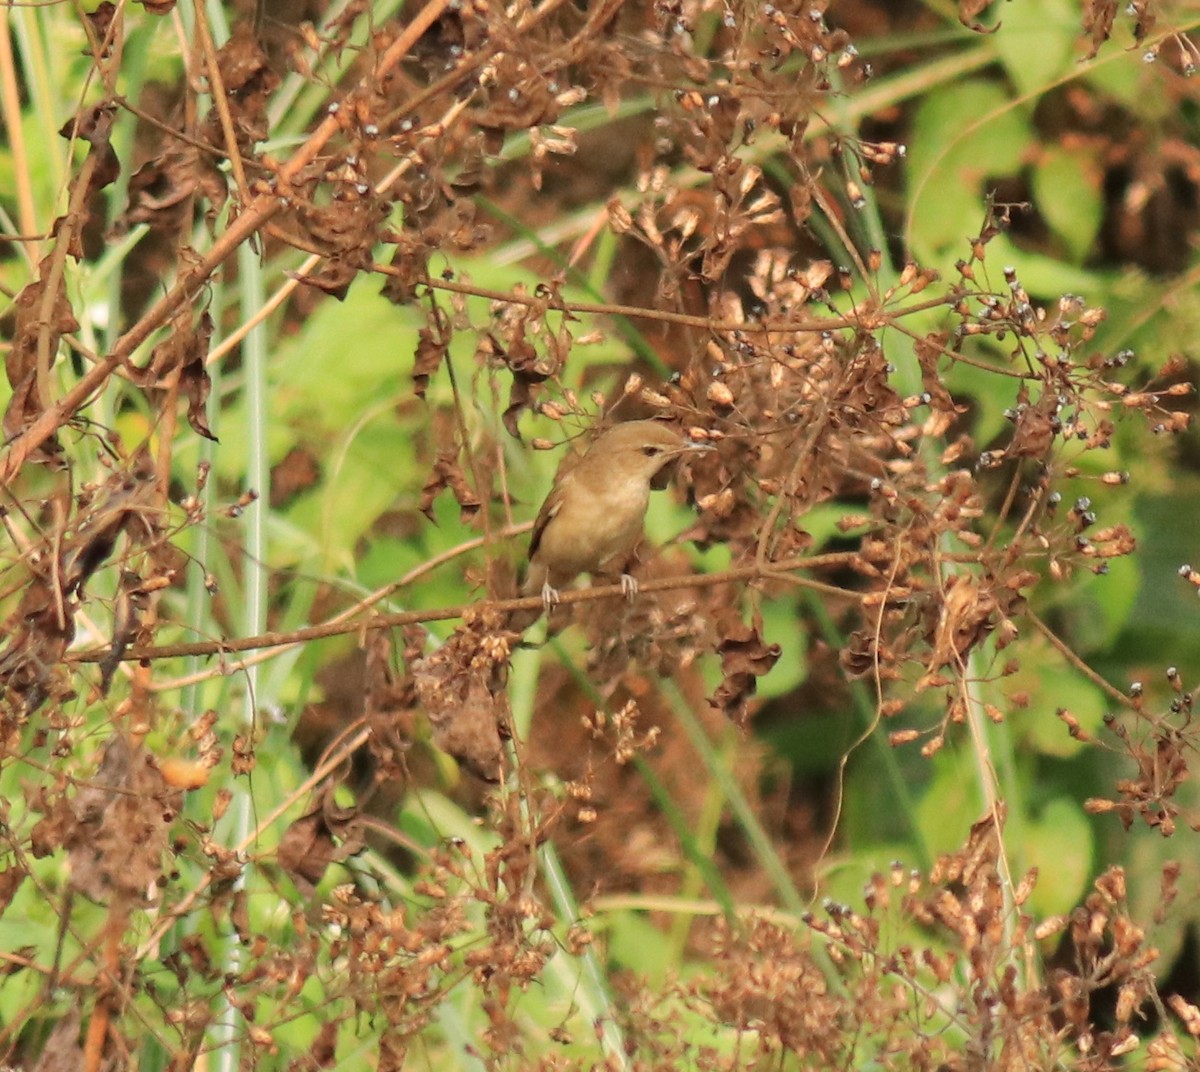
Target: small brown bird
(592,519)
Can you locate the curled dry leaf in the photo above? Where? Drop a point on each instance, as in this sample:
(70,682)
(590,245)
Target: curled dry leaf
(195,384)
(10,881)
(744,659)
(1037,427)
(433,343)
(42,626)
(967,615)
(125,503)
(185,350)
(122,820)
(93,124)
(40,321)
(129,608)
(165,190)
(511,347)
(101,21)
(248,80)
(345,231)
(462,687)
(410,267)
(327,834)
(969,12)
(448,474)
(39,632)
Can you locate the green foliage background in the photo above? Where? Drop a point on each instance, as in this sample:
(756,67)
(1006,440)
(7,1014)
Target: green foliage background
(813,797)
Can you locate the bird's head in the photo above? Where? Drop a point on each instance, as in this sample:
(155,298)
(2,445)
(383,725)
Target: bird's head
(641,450)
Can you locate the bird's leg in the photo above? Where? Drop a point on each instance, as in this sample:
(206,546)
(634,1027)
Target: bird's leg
(629,586)
(550,597)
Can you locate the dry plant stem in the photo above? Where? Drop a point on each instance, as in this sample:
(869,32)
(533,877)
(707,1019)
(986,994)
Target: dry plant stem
(98,1022)
(10,108)
(751,327)
(1111,691)
(350,613)
(60,524)
(769,571)
(835,221)
(465,446)
(282,293)
(584,242)
(962,359)
(70,224)
(255,216)
(22,963)
(869,730)
(295,278)
(1014,486)
(220,100)
(331,763)
(174,133)
(386,831)
(993,797)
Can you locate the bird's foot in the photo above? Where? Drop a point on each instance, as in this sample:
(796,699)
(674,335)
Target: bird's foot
(629,586)
(550,597)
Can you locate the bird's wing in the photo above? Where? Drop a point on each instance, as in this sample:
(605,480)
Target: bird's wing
(548,512)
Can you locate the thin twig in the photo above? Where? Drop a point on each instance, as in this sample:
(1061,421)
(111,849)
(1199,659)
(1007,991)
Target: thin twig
(767,571)
(1062,648)
(253,219)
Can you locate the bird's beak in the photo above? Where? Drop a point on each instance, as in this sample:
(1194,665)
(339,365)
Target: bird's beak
(690,446)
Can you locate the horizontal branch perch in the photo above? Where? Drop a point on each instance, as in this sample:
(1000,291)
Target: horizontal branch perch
(415,617)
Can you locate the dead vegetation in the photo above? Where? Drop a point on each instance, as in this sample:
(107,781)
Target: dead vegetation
(757,310)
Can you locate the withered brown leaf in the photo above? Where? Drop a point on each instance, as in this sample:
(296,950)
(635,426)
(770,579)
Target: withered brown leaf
(195,384)
(122,821)
(129,608)
(447,474)
(462,687)
(327,834)
(744,659)
(93,124)
(38,315)
(433,343)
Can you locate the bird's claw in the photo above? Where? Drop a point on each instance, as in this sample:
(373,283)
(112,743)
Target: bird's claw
(550,598)
(629,586)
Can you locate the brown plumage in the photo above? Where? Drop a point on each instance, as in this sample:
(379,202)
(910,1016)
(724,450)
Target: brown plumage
(592,519)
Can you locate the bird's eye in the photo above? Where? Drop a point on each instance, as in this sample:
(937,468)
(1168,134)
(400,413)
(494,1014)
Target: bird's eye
(649,451)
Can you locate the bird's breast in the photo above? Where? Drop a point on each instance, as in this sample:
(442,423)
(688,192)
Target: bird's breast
(595,526)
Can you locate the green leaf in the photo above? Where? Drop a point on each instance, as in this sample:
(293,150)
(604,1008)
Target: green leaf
(1046,278)
(951,803)
(781,625)
(1067,191)
(1036,43)
(350,351)
(635,943)
(1051,685)
(1060,844)
(368,472)
(963,136)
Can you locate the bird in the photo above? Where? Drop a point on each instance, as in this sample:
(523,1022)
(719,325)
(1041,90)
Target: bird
(592,519)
